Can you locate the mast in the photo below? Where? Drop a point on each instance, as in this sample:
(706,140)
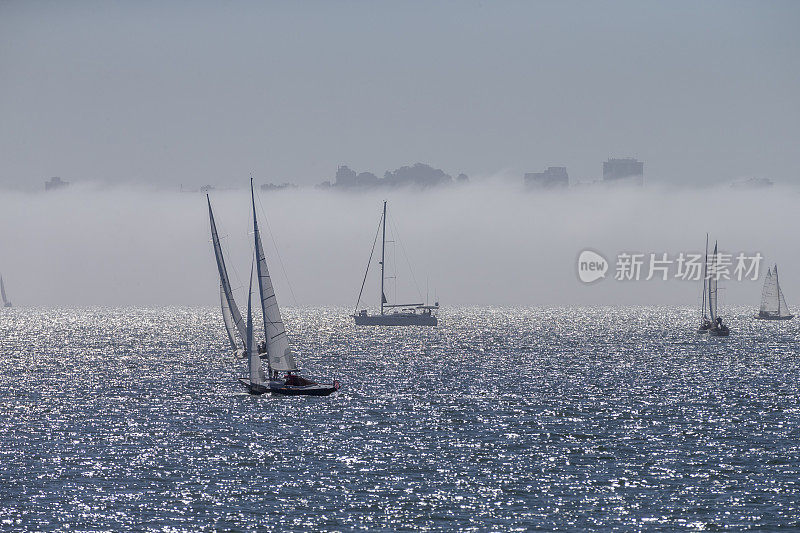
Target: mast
(259,255)
(705,275)
(778,291)
(383,256)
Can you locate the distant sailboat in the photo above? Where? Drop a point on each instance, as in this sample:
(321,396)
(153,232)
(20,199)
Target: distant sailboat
(275,348)
(6,301)
(773,304)
(413,314)
(718,329)
(705,323)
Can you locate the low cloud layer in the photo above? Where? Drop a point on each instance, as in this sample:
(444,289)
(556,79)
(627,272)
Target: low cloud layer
(483,243)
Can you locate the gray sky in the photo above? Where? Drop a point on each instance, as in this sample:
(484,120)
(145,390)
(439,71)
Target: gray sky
(191,92)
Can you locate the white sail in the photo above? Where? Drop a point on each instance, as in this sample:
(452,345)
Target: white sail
(773,304)
(783,310)
(712,287)
(255,370)
(3,291)
(230,326)
(279,354)
(769,295)
(228,303)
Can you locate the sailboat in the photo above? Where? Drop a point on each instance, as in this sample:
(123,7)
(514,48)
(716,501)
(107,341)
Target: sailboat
(705,323)
(392,314)
(773,304)
(6,301)
(274,349)
(718,329)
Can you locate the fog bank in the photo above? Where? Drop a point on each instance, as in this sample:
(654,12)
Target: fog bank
(483,243)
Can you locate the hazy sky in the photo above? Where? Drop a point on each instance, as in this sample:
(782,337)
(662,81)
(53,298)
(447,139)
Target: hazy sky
(210,92)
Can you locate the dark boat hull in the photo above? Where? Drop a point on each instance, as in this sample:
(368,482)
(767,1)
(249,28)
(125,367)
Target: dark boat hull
(278,387)
(316,390)
(396,319)
(254,388)
(767,317)
(719,332)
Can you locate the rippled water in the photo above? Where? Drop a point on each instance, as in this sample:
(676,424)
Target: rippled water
(549,418)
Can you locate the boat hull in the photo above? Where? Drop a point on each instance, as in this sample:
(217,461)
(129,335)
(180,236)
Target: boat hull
(308,390)
(396,319)
(767,317)
(719,332)
(279,387)
(254,388)
(704,328)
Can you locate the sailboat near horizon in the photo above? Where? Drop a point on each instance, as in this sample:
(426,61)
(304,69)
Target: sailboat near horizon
(411,314)
(274,349)
(773,304)
(717,329)
(6,301)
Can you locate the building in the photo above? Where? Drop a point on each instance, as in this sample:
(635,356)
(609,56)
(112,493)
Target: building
(55,183)
(552,178)
(627,170)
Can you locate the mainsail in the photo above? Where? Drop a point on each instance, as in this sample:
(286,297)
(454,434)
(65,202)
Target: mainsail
(255,370)
(6,303)
(773,304)
(230,312)
(712,287)
(279,355)
(769,295)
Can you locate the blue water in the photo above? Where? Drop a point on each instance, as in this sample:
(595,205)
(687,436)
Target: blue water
(500,419)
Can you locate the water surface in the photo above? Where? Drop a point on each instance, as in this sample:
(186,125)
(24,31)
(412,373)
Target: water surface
(501,418)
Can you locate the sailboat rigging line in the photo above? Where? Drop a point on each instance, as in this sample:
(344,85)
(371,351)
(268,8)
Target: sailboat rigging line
(277,253)
(371,253)
(408,261)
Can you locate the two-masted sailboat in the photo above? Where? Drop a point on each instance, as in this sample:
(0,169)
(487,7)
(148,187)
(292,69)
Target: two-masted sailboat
(773,304)
(392,314)
(6,301)
(717,329)
(281,375)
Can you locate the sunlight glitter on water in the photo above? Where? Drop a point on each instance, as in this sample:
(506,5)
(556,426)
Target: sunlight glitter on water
(568,418)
